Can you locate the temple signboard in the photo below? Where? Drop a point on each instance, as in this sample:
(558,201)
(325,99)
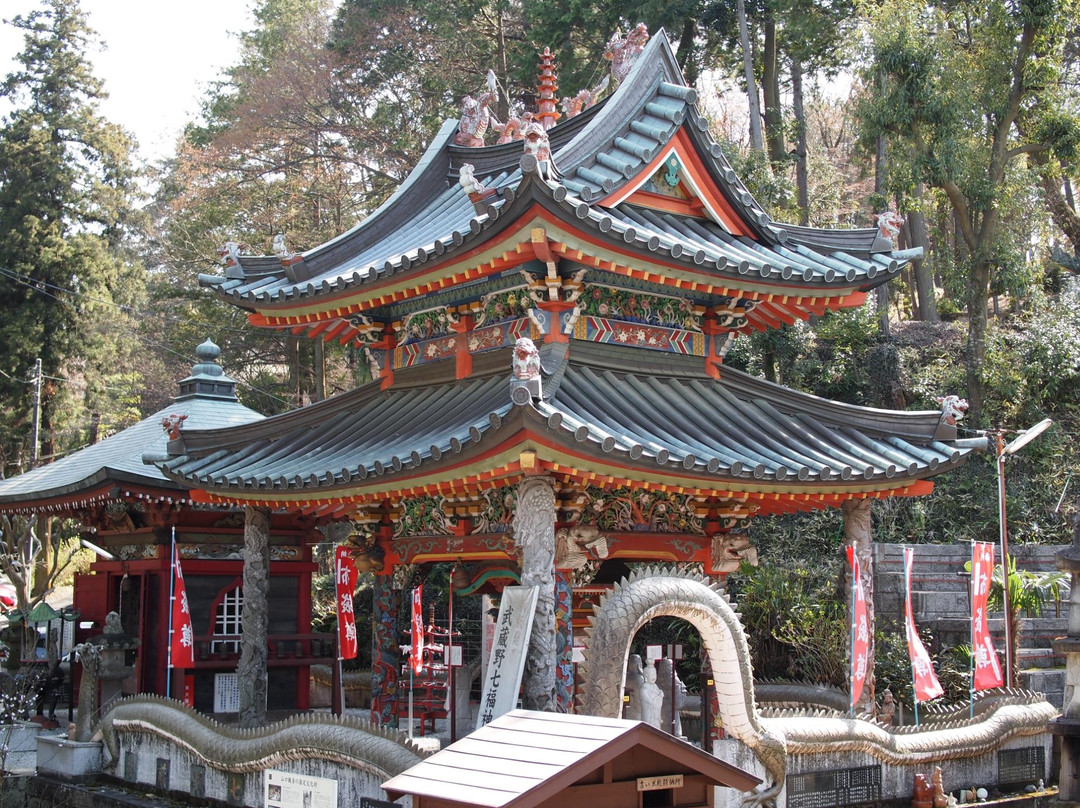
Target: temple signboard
(507,660)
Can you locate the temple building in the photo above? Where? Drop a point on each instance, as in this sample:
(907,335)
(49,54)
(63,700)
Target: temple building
(131,514)
(546,322)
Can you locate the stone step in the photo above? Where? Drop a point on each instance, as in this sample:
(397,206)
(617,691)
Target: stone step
(1038,658)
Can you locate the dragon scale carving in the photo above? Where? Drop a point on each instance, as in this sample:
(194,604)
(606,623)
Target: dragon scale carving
(346,740)
(653,592)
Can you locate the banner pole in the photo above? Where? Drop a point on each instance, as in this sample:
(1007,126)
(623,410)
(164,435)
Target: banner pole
(172,596)
(851,666)
(971,661)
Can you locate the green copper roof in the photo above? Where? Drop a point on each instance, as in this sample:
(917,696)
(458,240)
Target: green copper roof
(208,399)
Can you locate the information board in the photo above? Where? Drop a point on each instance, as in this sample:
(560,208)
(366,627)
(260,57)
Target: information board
(507,660)
(226,693)
(288,790)
(834,787)
(1021,766)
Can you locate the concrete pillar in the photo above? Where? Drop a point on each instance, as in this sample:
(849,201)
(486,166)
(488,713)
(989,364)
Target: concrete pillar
(385,652)
(1067,726)
(534,534)
(251,669)
(857,531)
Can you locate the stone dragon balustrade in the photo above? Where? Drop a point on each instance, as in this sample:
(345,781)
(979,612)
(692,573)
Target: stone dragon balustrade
(777,735)
(348,741)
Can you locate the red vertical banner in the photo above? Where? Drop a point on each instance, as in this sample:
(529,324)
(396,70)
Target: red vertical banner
(416,654)
(183,638)
(987,672)
(927,686)
(345,576)
(860,629)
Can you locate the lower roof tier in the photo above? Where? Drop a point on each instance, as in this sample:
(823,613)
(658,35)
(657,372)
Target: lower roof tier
(605,417)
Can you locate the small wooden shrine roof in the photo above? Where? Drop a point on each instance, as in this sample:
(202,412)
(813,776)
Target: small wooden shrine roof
(429,235)
(607,409)
(525,758)
(208,399)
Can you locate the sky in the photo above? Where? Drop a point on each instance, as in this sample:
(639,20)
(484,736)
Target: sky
(159,58)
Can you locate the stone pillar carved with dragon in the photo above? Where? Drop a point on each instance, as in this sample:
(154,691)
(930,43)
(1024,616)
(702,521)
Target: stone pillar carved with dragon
(385,654)
(251,670)
(534,534)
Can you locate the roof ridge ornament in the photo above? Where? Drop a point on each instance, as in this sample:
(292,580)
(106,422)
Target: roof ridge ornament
(476,115)
(623,52)
(526,386)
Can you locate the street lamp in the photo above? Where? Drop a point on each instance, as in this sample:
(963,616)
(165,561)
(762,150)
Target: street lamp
(1005,450)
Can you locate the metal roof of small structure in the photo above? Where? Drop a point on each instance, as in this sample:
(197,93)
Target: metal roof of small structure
(207,397)
(525,758)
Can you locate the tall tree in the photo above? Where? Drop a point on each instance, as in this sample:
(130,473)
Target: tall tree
(967,88)
(66,192)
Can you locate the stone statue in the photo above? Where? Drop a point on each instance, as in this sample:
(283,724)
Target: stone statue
(538,145)
(635,678)
(940,800)
(676,700)
(513,129)
(467,179)
(280,250)
(90,657)
(952,408)
(576,546)
(887,714)
(476,115)
(112,623)
(652,697)
(623,52)
(526,361)
(229,253)
(889,224)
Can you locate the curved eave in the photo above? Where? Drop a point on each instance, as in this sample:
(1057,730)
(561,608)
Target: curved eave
(98,487)
(698,257)
(717,441)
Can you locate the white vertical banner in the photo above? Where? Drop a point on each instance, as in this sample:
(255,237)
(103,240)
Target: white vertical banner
(507,661)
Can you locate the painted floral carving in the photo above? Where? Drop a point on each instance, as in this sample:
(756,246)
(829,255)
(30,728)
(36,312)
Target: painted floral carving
(507,305)
(622,509)
(635,307)
(498,511)
(425,325)
(423,516)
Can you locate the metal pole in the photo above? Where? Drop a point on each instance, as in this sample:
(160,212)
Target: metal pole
(452,695)
(971,599)
(1000,444)
(851,666)
(35,434)
(172,595)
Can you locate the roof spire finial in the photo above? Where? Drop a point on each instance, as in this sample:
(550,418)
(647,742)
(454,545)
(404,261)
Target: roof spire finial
(547,86)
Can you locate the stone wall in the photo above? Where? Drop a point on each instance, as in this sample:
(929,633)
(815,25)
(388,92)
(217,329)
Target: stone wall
(896,782)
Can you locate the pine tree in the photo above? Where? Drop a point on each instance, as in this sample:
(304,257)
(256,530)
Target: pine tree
(66,187)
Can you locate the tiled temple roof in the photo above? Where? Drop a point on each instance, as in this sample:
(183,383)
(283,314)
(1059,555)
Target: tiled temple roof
(603,402)
(599,154)
(207,397)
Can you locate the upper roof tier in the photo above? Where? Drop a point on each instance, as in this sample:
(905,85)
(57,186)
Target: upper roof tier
(639,187)
(207,400)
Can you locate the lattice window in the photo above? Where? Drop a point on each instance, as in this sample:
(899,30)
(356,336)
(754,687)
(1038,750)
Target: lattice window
(228,620)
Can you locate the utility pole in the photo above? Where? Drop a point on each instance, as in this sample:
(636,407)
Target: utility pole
(35,436)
